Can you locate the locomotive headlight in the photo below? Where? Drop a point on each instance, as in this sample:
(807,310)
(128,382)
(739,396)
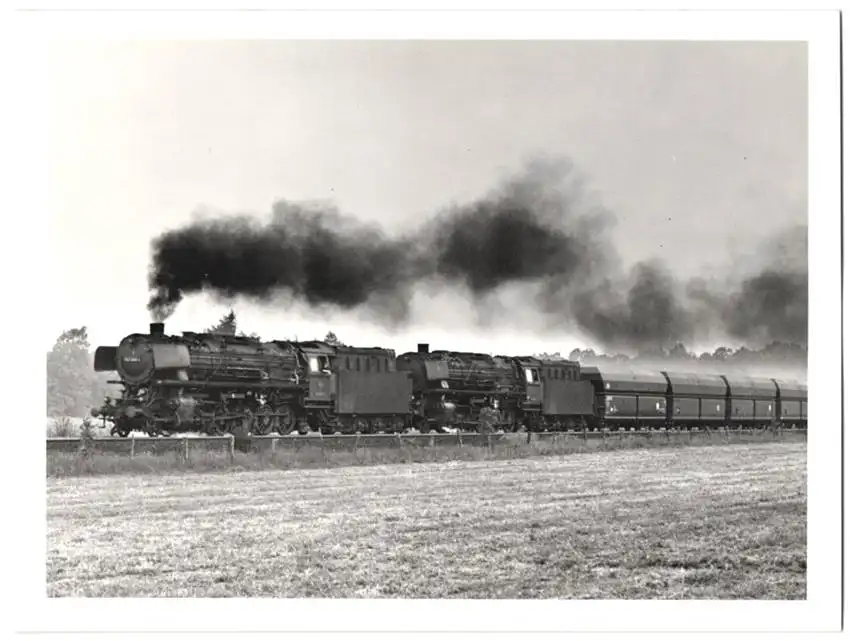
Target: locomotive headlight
(444,384)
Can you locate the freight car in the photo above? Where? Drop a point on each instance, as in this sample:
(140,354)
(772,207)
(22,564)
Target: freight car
(628,398)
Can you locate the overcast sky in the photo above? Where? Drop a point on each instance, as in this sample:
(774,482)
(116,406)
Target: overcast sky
(698,148)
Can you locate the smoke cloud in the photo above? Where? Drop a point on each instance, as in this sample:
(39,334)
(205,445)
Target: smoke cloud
(315,254)
(540,228)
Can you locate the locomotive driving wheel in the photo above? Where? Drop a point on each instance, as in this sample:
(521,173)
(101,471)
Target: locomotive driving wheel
(213,425)
(264,420)
(121,429)
(285,420)
(246,424)
(151,427)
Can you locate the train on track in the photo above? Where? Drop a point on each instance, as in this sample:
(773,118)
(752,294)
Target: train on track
(218,383)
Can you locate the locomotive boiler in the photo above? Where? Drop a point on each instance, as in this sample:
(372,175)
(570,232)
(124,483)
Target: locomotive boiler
(214,383)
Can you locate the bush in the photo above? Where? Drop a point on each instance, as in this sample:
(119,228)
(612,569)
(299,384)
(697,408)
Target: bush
(61,427)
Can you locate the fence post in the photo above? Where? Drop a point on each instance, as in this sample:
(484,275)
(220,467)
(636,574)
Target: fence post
(133,446)
(460,438)
(274,445)
(489,443)
(186,448)
(231,449)
(356,442)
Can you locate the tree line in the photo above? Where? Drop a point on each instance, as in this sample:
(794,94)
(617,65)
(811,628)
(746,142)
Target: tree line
(775,353)
(73,387)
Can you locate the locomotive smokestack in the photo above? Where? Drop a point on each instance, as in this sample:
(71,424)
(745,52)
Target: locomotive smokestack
(157,329)
(422,348)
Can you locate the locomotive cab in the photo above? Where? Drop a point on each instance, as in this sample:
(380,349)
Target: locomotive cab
(320,372)
(533,387)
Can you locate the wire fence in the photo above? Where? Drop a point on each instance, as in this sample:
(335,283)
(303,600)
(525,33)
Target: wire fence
(185,445)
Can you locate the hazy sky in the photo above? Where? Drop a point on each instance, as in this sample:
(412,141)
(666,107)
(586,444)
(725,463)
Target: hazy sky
(698,148)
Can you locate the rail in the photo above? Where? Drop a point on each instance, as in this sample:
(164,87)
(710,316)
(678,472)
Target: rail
(183,444)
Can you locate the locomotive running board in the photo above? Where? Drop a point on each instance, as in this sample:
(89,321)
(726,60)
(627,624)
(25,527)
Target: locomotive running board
(466,392)
(225,384)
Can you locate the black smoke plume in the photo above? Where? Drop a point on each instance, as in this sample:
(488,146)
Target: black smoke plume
(765,301)
(540,228)
(315,254)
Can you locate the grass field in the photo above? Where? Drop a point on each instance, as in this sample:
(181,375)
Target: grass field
(696,522)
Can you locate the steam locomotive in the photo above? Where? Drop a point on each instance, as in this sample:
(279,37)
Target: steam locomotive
(220,383)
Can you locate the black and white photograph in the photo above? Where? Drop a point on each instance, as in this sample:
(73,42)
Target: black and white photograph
(473,314)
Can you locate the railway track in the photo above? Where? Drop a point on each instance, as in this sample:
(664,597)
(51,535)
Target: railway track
(179,443)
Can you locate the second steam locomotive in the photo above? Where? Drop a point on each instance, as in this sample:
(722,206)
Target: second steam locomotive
(220,383)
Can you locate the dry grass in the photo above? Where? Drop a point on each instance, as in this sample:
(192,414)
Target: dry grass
(72,427)
(164,456)
(697,522)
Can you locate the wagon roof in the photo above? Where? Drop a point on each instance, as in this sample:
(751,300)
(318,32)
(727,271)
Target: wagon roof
(627,379)
(692,383)
(751,386)
(792,389)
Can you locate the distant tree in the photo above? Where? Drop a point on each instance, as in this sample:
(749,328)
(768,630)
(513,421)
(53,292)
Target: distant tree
(722,354)
(72,384)
(744,355)
(549,356)
(228,327)
(777,352)
(680,353)
(652,353)
(225,325)
(772,353)
(332,339)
